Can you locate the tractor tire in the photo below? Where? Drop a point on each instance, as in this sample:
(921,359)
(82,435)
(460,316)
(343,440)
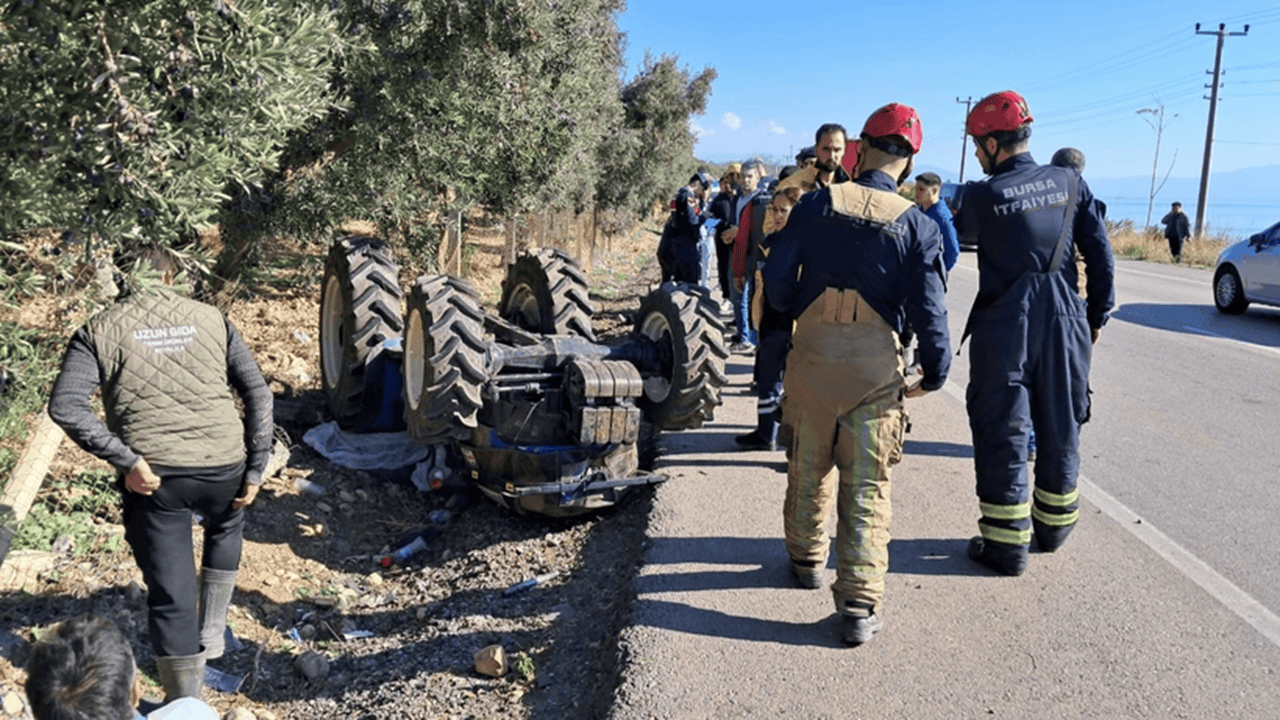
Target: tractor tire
(685,322)
(546,292)
(444,359)
(359,309)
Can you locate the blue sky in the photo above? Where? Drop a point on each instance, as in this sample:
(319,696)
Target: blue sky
(1086,68)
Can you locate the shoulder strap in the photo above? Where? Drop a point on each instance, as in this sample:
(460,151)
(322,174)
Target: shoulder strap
(867,203)
(1060,252)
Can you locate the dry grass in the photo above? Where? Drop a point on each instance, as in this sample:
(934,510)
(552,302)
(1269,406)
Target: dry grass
(1130,244)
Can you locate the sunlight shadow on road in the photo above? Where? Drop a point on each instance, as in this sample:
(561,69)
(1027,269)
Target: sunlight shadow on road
(714,623)
(1256,327)
(937,449)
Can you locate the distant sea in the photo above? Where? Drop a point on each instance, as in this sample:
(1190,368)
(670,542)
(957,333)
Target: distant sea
(1235,220)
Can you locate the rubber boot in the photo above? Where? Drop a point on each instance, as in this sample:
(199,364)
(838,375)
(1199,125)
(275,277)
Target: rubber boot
(216,588)
(181,676)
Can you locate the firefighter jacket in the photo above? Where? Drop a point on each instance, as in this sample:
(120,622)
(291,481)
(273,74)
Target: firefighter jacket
(1016,218)
(863,236)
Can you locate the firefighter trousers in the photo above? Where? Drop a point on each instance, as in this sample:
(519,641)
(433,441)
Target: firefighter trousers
(1029,356)
(844,389)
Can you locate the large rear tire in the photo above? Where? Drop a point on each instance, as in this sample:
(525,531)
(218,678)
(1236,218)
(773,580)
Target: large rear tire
(546,292)
(444,359)
(359,309)
(685,323)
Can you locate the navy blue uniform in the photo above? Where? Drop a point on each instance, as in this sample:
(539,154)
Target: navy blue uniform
(843,252)
(1031,345)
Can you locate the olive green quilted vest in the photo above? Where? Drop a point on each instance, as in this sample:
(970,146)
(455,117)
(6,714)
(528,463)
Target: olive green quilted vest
(163,359)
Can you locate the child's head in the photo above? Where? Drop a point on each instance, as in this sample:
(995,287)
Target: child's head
(82,669)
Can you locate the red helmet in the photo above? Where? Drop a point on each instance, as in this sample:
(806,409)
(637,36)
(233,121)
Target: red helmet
(1004,111)
(852,151)
(896,119)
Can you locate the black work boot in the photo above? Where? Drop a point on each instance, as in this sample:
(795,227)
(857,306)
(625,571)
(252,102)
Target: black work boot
(1050,538)
(764,437)
(808,574)
(1009,562)
(859,624)
(755,441)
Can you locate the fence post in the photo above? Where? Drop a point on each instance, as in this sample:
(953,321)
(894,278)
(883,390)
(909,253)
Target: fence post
(453,235)
(509,255)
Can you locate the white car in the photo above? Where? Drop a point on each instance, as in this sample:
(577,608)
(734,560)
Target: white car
(1248,271)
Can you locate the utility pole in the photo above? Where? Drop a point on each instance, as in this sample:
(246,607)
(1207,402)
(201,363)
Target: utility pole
(1222,34)
(964,133)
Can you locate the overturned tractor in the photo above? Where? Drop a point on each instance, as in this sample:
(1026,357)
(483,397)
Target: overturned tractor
(528,405)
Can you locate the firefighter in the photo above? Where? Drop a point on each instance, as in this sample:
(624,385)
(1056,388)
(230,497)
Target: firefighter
(854,261)
(1032,334)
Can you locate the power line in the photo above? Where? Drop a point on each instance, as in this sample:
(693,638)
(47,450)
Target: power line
(1108,64)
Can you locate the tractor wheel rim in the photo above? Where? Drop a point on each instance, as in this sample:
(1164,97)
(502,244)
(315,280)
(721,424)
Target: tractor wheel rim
(656,328)
(332,350)
(415,358)
(523,308)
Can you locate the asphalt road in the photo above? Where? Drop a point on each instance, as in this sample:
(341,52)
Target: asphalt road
(1163,604)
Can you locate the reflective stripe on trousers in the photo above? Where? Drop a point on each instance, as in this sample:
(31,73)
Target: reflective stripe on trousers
(844,397)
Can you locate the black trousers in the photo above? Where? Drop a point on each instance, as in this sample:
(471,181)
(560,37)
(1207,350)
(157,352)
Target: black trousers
(724,255)
(1175,246)
(158,528)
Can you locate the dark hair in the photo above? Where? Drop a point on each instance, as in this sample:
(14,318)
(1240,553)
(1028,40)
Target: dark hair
(787,171)
(805,153)
(1176,204)
(930,179)
(82,670)
(1009,139)
(1068,157)
(154,257)
(826,129)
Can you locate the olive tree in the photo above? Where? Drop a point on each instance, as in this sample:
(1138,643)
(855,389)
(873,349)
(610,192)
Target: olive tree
(133,118)
(501,104)
(651,152)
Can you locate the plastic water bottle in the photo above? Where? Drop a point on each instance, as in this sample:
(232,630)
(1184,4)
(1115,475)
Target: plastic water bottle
(309,487)
(418,545)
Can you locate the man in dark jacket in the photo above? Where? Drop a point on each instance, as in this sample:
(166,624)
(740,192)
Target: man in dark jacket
(166,366)
(1032,333)
(853,262)
(1177,228)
